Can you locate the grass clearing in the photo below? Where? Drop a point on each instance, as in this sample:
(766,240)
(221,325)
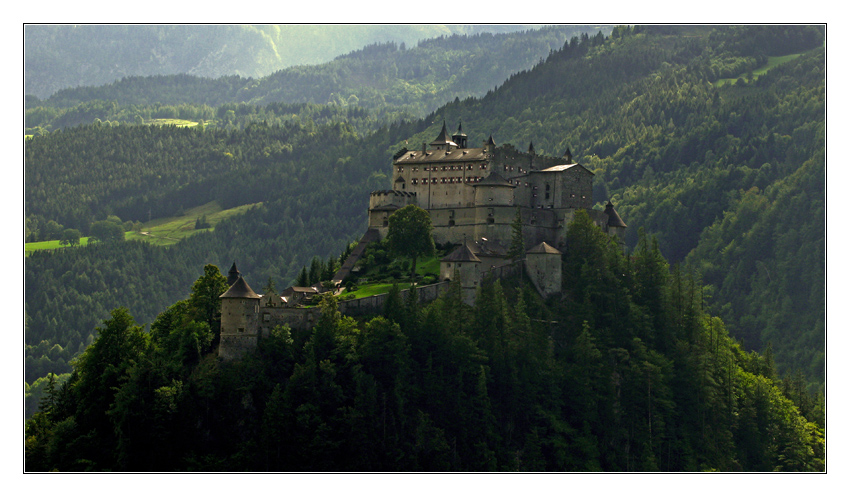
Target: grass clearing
(771,63)
(31,247)
(170,230)
(163,231)
(374,289)
(183,123)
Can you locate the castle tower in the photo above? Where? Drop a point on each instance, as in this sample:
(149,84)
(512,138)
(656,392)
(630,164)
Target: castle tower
(459,137)
(240,310)
(463,263)
(616,226)
(543,267)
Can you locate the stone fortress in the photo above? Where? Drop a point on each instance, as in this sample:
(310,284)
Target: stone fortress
(472,196)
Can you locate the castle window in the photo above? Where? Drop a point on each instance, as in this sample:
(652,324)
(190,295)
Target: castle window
(582,196)
(451,222)
(266,317)
(572,195)
(413,181)
(401,169)
(241,330)
(469,167)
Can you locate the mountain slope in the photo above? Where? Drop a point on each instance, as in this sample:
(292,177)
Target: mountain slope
(67,56)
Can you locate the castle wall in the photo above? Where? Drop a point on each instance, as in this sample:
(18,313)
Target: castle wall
(375,303)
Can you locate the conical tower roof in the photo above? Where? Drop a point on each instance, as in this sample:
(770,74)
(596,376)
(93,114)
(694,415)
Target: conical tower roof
(443,138)
(543,248)
(232,275)
(239,290)
(495,179)
(614,219)
(461,254)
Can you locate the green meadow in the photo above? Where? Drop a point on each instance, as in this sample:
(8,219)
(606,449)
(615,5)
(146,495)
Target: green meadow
(771,63)
(163,231)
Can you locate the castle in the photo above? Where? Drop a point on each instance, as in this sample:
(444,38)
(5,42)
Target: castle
(473,196)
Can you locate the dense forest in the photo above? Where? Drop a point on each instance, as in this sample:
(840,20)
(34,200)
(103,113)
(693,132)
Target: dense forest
(625,372)
(67,56)
(728,175)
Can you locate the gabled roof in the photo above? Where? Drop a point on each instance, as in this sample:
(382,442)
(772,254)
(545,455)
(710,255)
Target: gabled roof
(239,290)
(614,219)
(495,179)
(461,254)
(543,248)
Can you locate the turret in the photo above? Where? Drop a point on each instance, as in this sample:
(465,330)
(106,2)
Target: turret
(443,142)
(232,275)
(462,263)
(616,226)
(240,309)
(459,137)
(543,267)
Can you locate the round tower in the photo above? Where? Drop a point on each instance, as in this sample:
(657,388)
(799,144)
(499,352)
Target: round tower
(462,263)
(240,310)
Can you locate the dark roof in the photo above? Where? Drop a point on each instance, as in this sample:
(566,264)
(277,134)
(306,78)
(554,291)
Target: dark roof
(458,154)
(491,141)
(232,275)
(495,179)
(461,254)
(614,219)
(459,130)
(443,138)
(543,248)
(239,290)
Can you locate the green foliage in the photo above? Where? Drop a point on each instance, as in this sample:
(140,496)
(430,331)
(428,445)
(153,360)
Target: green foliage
(70,237)
(510,384)
(409,234)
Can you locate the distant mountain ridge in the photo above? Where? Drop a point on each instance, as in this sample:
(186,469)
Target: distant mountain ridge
(68,56)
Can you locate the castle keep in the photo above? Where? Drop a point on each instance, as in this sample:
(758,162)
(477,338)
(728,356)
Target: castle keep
(472,196)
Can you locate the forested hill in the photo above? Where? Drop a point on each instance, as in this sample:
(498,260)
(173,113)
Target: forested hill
(386,77)
(728,175)
(67,56)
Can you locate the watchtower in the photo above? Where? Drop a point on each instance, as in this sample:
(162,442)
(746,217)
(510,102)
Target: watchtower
(240,309)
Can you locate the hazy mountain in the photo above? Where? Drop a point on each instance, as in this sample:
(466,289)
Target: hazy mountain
(62,56)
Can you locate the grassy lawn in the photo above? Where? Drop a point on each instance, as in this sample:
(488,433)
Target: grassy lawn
(163,231)
(771,63)
(374,289)
(49,245)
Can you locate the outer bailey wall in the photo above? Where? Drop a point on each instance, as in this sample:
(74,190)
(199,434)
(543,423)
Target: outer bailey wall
(375,303)
(303,318)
